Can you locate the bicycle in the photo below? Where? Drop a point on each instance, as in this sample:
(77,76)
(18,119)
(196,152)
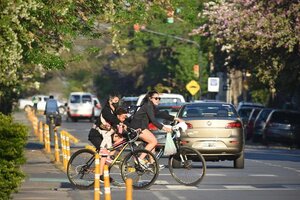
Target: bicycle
(81,166)
(51,124)
(187,166)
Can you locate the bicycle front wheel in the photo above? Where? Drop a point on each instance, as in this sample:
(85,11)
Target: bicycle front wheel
(81,169)
(187,166)
(142,172)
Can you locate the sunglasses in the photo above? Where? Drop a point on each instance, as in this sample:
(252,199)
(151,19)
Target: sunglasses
(156,98)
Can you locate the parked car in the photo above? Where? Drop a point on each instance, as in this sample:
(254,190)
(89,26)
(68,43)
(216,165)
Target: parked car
(127,102)
(97,107)
(249,104)
(259,124)
(80,106)
(250,123)
(215,129)
(41,103)
(282,126)
(166,98)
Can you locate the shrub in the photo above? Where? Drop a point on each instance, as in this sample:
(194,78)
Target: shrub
(13,138)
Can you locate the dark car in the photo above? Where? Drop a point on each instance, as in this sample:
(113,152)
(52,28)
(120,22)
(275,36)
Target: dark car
(250,123)
(259,124)
(215,129)
(282,126)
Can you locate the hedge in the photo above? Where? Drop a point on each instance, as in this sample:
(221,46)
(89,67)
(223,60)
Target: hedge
(13,137)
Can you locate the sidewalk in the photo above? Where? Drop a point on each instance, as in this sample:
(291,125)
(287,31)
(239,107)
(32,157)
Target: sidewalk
(44,180)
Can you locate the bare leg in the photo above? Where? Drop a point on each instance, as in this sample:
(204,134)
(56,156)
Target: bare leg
(148,137)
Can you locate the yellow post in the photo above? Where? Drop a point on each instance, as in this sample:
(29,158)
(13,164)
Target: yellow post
(41,131)
(56,147)
(46,129)
(129,189)
(71,137)
(63,146)
(106,183)
(68,148)
(48,148)
(97,178)
(35,125)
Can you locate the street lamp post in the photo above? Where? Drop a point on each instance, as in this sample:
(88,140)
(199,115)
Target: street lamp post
(144,29)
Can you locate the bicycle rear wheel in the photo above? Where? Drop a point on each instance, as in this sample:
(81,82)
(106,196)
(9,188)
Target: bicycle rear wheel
(187,166)
(143,173)
(81,169)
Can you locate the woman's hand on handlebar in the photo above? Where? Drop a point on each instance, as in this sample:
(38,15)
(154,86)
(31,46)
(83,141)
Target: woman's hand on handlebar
(167,129)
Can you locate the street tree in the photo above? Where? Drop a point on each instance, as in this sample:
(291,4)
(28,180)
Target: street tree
(34,33)
(263,33)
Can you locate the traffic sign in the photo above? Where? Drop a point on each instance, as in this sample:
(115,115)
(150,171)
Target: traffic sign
(213,84)
(193,87)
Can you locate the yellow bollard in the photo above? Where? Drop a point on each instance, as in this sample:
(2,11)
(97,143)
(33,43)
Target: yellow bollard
(97,178)
(71,137)
(129,189)
(57,159)
(63,146)
(35,125)
(106,183)
(41,128)
(68,148)
(48,147)
(46,128)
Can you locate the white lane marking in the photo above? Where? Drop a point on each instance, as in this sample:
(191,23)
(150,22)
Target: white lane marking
(215,175)
(239,187)
(161,182)
(250,188)
(263,175)
(181,187)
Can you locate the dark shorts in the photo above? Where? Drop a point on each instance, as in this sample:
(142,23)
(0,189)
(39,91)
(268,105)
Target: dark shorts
(95,138)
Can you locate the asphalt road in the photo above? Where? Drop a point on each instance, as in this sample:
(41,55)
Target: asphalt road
(270,173)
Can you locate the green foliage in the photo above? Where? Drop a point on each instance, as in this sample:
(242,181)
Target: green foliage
(34,33)
(260,96)
(13,137)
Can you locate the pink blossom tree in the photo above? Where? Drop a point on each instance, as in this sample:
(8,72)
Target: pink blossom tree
(266,31)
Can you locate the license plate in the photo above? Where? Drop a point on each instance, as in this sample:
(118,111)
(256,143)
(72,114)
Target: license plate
(208,144)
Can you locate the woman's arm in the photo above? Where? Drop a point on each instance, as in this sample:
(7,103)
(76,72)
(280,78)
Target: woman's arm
(151,116)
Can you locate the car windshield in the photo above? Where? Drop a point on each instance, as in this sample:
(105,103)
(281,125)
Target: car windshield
(86,98)
(165,100)
(172,110)
(208,110)
(245,112)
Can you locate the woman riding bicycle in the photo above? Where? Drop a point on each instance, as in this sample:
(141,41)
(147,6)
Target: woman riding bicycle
(107,122)
(148,113)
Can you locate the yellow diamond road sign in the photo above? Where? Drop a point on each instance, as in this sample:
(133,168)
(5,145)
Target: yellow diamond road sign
(193,87)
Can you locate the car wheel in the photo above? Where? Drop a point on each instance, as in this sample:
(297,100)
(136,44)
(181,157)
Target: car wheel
(239,162)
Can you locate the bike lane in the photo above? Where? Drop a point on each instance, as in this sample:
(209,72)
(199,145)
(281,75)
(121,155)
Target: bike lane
(44,179)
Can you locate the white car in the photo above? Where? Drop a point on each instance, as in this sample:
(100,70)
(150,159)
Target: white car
(98,107)
(166,98)
(41,103)
(80,106)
